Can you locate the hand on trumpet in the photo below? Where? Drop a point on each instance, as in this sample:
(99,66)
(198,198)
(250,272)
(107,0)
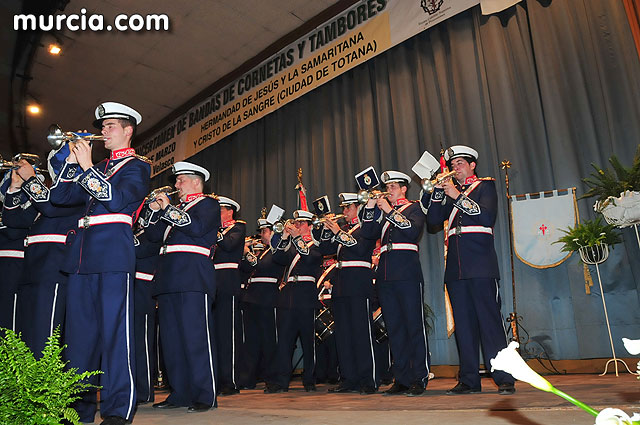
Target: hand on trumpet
(160,202)
(290,229)
(21,174)
(449,188)
(331,225)
(383,204)
(81,154)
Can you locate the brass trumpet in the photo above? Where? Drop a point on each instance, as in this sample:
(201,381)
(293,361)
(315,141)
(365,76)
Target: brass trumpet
(365,195)
(167,190)
(428,185)
(254,243)
(279,226)
(57,137)
(317,222)
(31,158)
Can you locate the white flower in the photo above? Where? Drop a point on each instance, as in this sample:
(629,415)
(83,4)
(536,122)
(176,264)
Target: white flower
(632,346)
(509,360)
(610,416)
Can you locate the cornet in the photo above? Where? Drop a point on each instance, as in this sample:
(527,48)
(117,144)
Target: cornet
(57,137)
(429,185)
(365,195)
(317,222)
(167,190)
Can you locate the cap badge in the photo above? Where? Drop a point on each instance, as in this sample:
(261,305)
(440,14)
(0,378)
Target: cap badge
(101,111)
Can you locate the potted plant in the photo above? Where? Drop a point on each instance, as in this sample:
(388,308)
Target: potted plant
(617,191)
(37,391)
(589,234)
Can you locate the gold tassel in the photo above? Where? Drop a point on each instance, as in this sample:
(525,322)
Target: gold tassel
(451,325)
(588,281)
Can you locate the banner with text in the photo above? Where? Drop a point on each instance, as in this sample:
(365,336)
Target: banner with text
(356,35)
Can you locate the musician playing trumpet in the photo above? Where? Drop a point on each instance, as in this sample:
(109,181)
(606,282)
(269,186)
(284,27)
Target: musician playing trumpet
(471,272)
(351,297)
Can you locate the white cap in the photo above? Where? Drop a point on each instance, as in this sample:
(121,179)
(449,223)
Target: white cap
(395,176)
(109,110)
(263,223)
(458,151)
(183,167)
(347,198)
(302,215)
(228,202)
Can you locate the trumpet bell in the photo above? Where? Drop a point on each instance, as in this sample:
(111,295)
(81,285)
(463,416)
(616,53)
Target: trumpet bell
(57,137)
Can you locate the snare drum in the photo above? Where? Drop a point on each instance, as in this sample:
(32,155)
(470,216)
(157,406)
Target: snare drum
(379,327)
(324,324)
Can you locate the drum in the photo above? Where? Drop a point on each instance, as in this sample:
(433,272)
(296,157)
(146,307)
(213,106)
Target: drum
(324,324)
(379,328)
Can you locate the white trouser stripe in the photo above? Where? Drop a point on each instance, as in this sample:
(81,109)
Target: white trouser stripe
(131,385)
(206,318)
(146,355)
(53,308)
(233,340)
(373,357)
(275,320)
(424,334)
(15,306)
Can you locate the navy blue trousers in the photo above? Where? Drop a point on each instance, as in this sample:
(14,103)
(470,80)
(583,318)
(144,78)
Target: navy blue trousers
(354,341)
(260,343)
(403,311)
(99,336)
(476,312)
(228,327)
(292,323)
(145,331)
(40,310)
(188,347)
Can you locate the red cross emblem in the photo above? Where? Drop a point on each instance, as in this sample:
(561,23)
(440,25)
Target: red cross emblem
(543,228)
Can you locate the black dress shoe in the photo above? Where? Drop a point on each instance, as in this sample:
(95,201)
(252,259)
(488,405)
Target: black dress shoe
(165,405)
(229,391)
(415,390)
(368,389)
(275,388)
(506,389)
(113,420)
(463,388)
(198,407)
(342,389)
(396,389)
(310,388)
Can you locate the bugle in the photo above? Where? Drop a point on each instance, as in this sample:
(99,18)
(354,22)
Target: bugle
(279,226)
(31,158)
(153,196)
(365,195)
(428,185)
(317,222)
(57,137)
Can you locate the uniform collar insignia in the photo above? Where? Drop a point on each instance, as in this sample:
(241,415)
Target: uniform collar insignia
(306,238)
(122,153)
(193,196)
(470,180)
(228,223)
(401,201)
(354,220)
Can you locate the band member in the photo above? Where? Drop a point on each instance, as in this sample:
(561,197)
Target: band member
(226,310)
(351,298)
(145,313)
(296,249)
(42,291)
(11,262)
(399,222)
(260,309)
(185,287)
(101,261)
(471,274)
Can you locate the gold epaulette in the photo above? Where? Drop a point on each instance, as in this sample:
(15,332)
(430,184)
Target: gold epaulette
(241,221)
(212,196)
(143,158)
(488,179)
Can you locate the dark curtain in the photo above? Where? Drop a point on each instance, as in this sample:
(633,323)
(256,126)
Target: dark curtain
(552,86)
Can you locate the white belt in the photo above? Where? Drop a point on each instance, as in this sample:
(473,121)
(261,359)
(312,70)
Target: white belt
(11,253)
(144,276)
(470,229)
(94,220)
(194,249)
(399,246)
(301,279)
(263,280)
(47,238)
(220,266)
(343,264)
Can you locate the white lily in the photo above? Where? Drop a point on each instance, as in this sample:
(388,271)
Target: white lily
(632,346)
(610,416)
(509,360)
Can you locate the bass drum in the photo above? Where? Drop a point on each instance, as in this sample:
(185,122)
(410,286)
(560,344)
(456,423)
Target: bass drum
(324,324)
(379,327)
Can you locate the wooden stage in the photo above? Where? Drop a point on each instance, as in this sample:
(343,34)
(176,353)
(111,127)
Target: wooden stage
(528,406)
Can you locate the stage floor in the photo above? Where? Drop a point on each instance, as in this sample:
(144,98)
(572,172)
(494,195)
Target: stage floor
(528,406)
